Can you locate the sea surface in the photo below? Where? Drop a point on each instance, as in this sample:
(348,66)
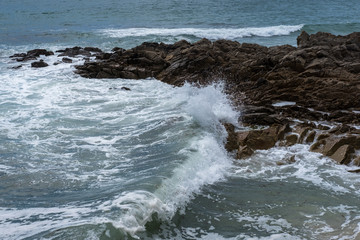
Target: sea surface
(83,159)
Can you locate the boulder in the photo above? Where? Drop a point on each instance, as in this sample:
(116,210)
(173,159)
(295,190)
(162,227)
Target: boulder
(231,141)
(291,139)
(39,64)
(343,154)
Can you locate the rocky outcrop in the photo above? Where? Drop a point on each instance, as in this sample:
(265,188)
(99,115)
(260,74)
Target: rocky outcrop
(319,80)
(340,146)
(321,75)
(31,55)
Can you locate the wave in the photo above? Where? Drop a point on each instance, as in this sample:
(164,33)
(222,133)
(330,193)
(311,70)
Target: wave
(210,33)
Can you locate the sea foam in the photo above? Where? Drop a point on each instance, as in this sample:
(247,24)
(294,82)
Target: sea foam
(210,33)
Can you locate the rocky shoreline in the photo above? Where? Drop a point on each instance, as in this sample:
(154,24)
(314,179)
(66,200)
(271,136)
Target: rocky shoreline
(305,94)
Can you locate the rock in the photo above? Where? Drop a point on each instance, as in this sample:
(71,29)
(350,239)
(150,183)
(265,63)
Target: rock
(31,55)
(231,141)
(262,142)
(66,60)
(244,152)
(74,52)
(343,154)
(320,74)
(332,145)
(322,136)
(92,49)
(302,131)
(259,119)
(286,160)
(311,137)
(291,139)
(39,64)
(17,67)
(356,161)
(125,88)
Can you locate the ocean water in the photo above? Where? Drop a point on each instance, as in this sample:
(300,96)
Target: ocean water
(83,159)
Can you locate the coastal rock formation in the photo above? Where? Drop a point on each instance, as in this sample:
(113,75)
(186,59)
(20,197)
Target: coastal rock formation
(319,80)
(339,146)
(321,75)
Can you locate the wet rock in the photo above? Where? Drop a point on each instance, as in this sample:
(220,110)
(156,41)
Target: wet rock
(66,60)
(287,160)
(356,161)
(74,52)
(17,67)
(231,141)
(321,73)
(125,88)
(343,154)
(31,55)
(322,136)
(39,64)
(311,137)
(332,145)
(244,152)
(291,139)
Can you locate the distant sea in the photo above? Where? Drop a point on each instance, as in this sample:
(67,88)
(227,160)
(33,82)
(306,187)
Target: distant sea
(82,159)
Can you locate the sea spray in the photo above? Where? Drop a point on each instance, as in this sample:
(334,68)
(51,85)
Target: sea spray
(206,163)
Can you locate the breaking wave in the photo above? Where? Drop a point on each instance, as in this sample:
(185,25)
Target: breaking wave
(210,33)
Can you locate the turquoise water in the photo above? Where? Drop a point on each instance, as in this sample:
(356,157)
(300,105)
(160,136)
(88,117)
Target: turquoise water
(82,159)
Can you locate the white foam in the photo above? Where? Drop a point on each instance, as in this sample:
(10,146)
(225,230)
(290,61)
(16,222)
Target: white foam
(207,162)
(283,103)
(210,33)
(309,166)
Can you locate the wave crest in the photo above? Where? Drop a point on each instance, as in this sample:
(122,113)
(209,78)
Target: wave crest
(210,33)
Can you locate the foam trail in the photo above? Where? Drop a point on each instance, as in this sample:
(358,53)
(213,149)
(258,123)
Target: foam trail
(207,162)
(210,33)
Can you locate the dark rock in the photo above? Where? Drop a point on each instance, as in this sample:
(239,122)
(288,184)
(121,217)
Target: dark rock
(311,137)
(31,55)
(66,60)
(92,49)
(39,64)
(125,88)
(74,52)
(17,67)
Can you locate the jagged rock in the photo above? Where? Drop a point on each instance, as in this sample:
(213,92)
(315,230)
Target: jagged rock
(231,141)
(249,141)
(291,139)
(311,137)
(322,136)
(321,73)
(343,154)
(302,131)
(332,145)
